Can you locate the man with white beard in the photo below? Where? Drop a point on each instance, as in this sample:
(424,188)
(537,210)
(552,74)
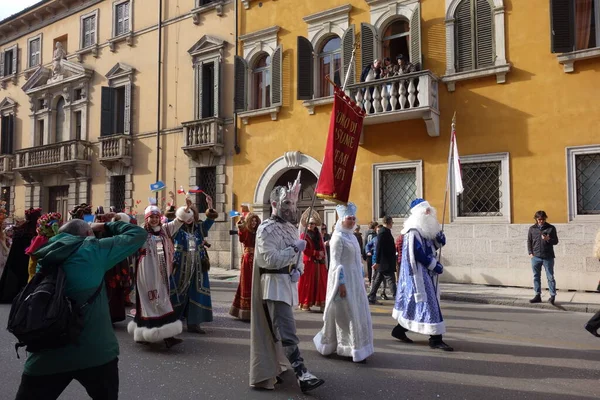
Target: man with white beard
(417,306)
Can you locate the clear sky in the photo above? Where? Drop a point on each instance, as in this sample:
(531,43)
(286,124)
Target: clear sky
(10,7)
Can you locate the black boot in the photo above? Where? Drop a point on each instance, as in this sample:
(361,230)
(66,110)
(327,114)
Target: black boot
(308,381)
(172,341)
(436,342)
(536,299)
(399,332)
(592,330)
(551,300)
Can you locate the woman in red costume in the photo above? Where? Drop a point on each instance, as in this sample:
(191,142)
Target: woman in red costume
(312,286)
(247,235)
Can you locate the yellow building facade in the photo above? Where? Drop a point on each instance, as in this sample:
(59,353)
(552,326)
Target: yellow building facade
(80,110)
(521,78)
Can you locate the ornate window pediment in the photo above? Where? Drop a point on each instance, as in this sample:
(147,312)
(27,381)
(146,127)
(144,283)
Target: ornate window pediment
(7,106)
(120,71)
(207,47)
(68,72)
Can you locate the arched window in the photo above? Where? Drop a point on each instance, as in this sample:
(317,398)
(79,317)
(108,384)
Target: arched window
(330,63)
(61,135)
(474,35)
(261,82)
(396,40)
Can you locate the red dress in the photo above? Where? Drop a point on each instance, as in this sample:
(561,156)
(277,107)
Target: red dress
(312,286)
(243,297)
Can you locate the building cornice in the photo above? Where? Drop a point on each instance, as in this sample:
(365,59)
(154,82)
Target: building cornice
(327,15)
(39,18)
(258,35)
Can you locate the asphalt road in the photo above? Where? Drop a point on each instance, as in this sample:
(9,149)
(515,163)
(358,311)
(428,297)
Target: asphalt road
(501,353)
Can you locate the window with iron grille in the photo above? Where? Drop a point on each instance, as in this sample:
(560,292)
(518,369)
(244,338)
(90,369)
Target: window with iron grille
(206,180)
(482,195)
(397,188)
(5,198)
(474,35)
(587,176)
(117,192)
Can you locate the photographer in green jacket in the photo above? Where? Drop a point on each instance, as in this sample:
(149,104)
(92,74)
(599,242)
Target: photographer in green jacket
(93,362)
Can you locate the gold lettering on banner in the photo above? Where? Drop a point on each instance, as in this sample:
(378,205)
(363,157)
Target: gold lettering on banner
(345,136)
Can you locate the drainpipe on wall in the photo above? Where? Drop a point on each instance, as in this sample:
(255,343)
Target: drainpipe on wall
(236,146)
(158,111)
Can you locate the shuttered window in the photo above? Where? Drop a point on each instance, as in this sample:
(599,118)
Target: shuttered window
(474,35)
(9,60)
(261,82)
(575,25)
(240,68)
(115,107)
(305,69)
(347,47)
(122,18)
(330,65)
(34,52)
(89,31)
(7,134)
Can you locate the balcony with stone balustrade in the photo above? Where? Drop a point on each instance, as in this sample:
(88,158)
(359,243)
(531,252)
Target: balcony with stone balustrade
(203,135)
(400,98)
(7,162)
(115,150)
(72,157)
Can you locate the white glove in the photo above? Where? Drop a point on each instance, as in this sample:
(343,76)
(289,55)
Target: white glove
(300,244)
(295,275)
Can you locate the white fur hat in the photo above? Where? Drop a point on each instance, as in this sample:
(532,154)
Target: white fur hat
(185,216)
(150,210)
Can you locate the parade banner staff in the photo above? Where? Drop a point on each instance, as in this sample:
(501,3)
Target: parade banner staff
(345,128)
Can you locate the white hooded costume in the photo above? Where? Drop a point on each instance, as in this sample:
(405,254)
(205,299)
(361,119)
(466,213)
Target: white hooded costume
(347,327)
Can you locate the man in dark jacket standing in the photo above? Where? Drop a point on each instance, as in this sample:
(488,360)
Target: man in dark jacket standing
(385,262)
(541,240)
(371,233)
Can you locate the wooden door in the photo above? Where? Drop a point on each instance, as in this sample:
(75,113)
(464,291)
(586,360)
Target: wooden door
(58,197)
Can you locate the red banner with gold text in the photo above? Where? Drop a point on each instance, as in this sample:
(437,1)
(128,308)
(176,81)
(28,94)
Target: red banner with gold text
(345,128)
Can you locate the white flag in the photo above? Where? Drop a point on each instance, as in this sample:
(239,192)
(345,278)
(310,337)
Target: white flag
(456,172)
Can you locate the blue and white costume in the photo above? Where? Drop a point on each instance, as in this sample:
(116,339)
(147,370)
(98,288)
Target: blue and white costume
(417,305)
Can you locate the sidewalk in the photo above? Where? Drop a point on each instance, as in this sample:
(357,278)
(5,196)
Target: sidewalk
(506,296)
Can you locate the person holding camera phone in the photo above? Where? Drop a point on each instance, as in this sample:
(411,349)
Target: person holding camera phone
(541,239)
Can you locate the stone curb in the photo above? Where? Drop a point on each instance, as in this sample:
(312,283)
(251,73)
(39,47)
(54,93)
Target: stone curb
(507,301)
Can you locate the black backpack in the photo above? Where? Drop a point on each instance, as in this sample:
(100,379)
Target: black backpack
(43,317)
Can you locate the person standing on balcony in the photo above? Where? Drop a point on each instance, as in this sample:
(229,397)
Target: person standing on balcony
(541,240)
(403,67)
(15,274)
(155,320)
(371,72)
(243,296)
(190,288)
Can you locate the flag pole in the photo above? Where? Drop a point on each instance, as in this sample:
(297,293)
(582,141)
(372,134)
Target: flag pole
(450,154)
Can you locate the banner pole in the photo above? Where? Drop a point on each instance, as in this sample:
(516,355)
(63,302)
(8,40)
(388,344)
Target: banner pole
(450,151)
(314,197)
